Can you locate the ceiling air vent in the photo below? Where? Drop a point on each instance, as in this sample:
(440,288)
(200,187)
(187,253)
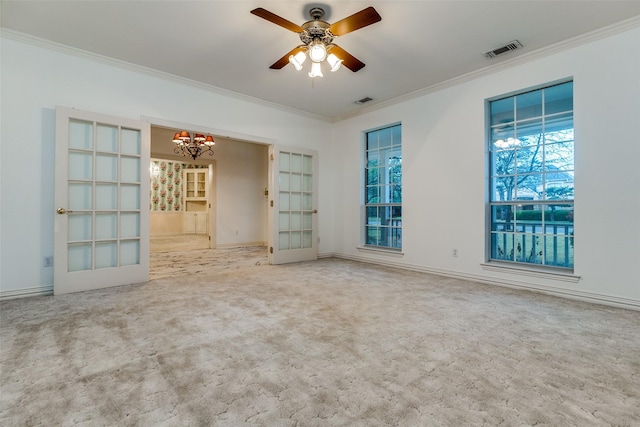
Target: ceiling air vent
(504,49)
(363,100)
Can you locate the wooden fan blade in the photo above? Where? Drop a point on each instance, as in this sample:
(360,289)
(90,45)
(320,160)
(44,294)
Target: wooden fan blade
(272,17)
(356,21)
(285,59)
(348,60)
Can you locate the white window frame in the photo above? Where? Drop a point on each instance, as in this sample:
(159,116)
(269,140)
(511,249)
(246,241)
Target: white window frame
(546,243)
(386,224)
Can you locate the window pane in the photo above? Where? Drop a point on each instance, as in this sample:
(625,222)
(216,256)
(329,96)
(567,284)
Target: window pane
(384,138)
(372,159)
(502,111)
(396,194)
(284,181)
(504,162)
(131,141)
(529,159)
(529,105)
(372,141)
(80,196)
(284,161)
(373,194)
(130,252)
(80,165)
(502,218)
(80,135)
(283,240)
(528,248)
(528,185)
(296,163)
(79,257)
(130,171)
(106,255)
(106,196)
(106,167)
(558,98)
(130,197)
(106,226)
(373,176)
(372,216)
(80,227)
(559,156)
(502,246)
(529,133)
(107,138)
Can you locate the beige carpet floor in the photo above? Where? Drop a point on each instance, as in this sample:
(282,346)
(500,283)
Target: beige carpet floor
(326,343)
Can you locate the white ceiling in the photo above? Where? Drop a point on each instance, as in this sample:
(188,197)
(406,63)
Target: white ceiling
(417,45)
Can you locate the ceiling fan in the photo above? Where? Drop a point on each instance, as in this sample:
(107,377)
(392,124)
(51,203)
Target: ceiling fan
(317,39)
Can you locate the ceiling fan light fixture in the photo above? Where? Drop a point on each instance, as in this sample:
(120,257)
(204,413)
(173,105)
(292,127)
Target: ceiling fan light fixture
(209,141)
(317,51)
(316,70)
(297,60)
(334,62)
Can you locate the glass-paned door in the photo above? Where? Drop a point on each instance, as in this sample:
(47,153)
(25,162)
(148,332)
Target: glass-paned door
(293,210)
(101,236)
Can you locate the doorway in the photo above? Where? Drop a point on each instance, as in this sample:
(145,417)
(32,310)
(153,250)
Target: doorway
(236,207)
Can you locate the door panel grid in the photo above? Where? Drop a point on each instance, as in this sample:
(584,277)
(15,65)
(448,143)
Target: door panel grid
(101,236)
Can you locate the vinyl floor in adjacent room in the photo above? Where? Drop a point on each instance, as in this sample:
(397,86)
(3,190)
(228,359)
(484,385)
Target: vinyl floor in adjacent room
(228,340)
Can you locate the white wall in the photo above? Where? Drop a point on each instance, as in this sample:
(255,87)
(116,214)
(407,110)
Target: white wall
(443,151)
(36,79)
(241,178)
(444,181)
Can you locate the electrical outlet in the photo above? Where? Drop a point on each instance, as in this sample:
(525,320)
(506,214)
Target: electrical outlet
(48,261)
(454,253)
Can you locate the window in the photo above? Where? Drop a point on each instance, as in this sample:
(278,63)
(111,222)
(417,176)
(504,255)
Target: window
(383,188)
(531,150)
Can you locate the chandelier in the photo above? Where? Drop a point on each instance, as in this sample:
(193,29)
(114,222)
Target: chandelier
(193,146)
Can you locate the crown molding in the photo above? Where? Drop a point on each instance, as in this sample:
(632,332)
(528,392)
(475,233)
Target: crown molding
(69,50)
(564,45)
(601,33)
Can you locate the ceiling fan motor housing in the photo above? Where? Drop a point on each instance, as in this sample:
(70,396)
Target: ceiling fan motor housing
(316,29)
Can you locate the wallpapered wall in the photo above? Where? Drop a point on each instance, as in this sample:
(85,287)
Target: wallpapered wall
(166,188)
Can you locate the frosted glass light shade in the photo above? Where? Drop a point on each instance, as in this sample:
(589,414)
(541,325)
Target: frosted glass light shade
(317,51)
(316,71)
(297,60)
(334,62)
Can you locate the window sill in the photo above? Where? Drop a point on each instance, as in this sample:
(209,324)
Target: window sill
(383,251)
(565,276)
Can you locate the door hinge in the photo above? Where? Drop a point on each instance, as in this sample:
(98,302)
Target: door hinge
(271,203)
(272,158)
(270,249)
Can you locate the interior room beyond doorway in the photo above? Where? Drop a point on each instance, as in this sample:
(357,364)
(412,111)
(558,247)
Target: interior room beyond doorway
(229,205)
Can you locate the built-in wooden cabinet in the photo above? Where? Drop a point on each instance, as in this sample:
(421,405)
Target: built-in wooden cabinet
(196,183)
(195,201)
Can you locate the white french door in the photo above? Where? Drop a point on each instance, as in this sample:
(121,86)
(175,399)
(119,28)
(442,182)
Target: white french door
(101,236)
(293,206)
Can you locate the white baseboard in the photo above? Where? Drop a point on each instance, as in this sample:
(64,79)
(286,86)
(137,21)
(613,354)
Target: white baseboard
(240,245)
(609,300)
(28,292)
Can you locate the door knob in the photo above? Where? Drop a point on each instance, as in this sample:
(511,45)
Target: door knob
(315,211)
(61,211)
